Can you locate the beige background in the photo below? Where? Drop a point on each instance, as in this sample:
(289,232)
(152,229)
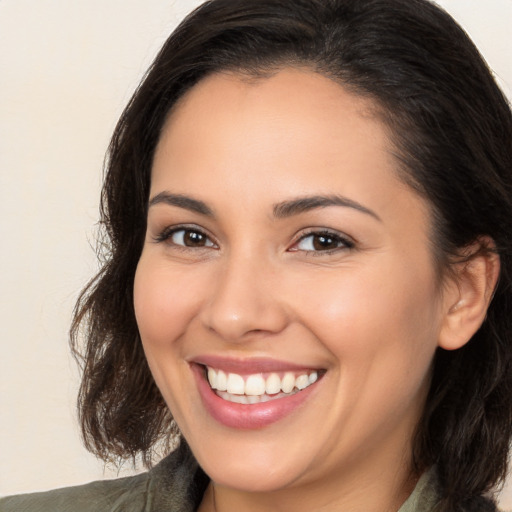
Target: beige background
(67,68)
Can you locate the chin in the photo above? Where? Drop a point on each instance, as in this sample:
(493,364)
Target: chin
(251,479)
(251,467)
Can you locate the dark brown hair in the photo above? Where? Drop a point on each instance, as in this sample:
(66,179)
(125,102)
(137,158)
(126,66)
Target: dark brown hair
(452,129)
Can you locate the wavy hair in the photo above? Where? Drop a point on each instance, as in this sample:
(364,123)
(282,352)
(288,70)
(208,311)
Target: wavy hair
(452,130)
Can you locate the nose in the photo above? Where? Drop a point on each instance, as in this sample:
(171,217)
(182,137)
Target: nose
(245,300)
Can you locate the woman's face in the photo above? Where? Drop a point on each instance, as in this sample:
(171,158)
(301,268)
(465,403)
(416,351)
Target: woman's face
(283,253)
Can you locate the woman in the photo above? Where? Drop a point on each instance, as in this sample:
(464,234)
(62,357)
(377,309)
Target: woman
(309,208)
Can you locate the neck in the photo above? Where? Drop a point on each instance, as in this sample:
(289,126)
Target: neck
(384,491)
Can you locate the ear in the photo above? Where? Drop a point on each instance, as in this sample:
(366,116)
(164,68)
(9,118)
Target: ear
(467,294)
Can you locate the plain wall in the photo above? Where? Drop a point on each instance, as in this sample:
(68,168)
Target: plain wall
(67,68)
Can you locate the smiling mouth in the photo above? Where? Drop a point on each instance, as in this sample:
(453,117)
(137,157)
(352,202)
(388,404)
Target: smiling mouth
(259,387)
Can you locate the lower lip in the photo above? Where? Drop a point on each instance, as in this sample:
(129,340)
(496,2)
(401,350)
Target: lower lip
(248,416)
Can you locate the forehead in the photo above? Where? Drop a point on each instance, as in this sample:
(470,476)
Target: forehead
(260,121)
(295,95)
(262,140)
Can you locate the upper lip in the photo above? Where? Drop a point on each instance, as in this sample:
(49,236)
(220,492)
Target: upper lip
(249,365)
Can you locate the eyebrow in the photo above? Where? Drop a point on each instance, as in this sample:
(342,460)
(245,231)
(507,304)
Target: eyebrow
(181,201)
(307,203)
(281,210)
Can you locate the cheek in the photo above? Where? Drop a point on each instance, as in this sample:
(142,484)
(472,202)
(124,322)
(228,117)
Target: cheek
(164,302)
(376,319)
(383,337)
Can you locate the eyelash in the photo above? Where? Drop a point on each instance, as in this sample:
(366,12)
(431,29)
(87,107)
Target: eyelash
(169,232)
(342,242)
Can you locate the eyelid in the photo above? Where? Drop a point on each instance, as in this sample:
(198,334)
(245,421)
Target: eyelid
(166,233)
(348,242)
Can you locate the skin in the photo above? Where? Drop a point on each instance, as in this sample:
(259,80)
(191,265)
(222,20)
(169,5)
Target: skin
(371,313)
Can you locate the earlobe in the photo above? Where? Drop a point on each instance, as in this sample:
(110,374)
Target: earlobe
(468,295)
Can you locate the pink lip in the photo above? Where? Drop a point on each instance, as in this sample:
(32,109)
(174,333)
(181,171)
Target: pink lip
(248,366)
(242,416)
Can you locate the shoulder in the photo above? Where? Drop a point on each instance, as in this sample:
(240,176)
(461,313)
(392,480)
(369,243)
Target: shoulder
(175,484)
(426,497)
(101,496)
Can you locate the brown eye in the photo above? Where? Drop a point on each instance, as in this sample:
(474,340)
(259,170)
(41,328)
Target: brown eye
(323,242)
(190,238)
(317,242)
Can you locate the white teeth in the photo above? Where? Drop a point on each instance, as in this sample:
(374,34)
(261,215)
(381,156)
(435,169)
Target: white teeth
(302,381)
(255,385)
(243,399)
(255,388)
(237,399)
(212,378)
(235,384)
(288,382)
(273,384)
(222,381)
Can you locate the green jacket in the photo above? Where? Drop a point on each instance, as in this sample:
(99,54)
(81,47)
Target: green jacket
(176,484)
